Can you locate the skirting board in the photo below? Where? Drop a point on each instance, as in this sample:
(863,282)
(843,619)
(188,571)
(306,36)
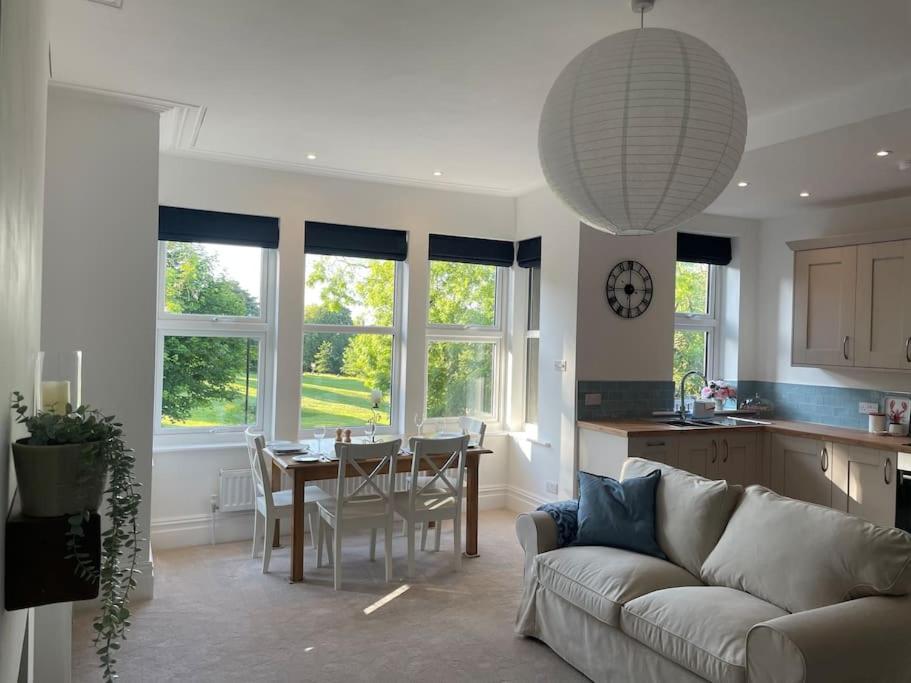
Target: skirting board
(190,530)
(520,500)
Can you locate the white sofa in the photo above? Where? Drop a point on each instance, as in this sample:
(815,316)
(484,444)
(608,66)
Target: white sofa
(758,587)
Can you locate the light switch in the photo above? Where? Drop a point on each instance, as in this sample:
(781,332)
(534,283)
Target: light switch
(593,399)
(560,365)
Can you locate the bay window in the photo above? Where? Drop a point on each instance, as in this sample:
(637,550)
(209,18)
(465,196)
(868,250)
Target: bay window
(351,332)
(216,280)
(529,257)
(465,326)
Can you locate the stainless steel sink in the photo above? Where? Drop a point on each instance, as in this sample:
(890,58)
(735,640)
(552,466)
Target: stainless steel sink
(713,422)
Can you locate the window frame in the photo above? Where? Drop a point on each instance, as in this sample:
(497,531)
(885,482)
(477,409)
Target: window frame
(394,330)
(708,322)
(531,334)
(261,328)
(495,334)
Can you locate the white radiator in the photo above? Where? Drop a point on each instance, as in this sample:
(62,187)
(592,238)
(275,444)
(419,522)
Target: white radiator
(235,490)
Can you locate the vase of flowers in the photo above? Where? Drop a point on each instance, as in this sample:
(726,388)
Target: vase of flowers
(375,397)
(719,391)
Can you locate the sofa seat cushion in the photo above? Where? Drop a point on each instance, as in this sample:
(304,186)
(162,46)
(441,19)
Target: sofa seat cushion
(690,511)
(704,628)
(600,580)
(801,556)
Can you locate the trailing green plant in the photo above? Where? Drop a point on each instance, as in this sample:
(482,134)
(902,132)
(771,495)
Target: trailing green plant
(102,437)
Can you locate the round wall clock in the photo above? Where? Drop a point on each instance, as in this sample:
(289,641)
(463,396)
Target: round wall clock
(629,289)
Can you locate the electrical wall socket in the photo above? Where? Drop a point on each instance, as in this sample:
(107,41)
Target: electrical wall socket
(560,365)
(593,399)
(551,487)
(867,408)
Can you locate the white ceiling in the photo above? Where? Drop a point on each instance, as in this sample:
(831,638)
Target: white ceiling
(395,89)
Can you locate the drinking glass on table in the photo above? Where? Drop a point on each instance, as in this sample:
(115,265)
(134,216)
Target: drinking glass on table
(419,423)
(319,433)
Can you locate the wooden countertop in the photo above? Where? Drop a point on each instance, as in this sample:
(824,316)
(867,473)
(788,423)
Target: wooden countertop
(854,437)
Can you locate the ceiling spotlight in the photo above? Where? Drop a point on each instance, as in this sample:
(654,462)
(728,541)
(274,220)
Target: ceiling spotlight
(743,183)
(311,156)
(437,173)
(804,194)
(884,152)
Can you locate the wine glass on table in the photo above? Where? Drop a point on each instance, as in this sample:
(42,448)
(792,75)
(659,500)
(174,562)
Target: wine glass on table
(319,433)
(419,423)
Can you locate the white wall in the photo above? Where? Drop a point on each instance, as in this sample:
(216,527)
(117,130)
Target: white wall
(23,96)
(532,465)
(773,334)
(101,221)
(185,479)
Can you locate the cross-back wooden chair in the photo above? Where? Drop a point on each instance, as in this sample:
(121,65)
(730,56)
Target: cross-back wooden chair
(368,506)
(436,497)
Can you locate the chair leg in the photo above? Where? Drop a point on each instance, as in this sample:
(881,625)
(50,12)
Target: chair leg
(320,538)
(267,547)
(423,535)
(457,542)
(312,522)
(255,532)
(404,527)
(373,545)
(387,551)
(337,556)
(410,550)
(437,533)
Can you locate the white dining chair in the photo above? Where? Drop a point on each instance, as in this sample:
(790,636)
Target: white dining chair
(275,505)
(440,498)
(476,430)
(368,506)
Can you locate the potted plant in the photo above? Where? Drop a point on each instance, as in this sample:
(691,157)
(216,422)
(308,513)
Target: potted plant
(62,467)
(719,391)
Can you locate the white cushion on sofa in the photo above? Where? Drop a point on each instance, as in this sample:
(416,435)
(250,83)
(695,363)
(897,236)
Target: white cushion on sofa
(800,556)
(703,628)
(690,511)
(601,580)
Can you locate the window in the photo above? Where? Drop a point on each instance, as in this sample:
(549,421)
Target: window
(464,339)
(349,347)
(532,340)
(695,321)
(213,332)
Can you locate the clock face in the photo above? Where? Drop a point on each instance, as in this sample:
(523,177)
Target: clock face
(629,289)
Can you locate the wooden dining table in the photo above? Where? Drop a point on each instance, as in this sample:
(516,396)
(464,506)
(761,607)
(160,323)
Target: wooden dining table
(302,473)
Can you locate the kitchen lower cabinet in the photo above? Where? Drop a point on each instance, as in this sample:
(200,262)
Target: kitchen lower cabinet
(737,460)
(865,483)
(801,468)
(661,449)
(697,453)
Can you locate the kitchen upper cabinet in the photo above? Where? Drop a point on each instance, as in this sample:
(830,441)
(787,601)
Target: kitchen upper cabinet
(801,468)
(865,483)
(882,321)
(824,306)
(698,453)
(737,460)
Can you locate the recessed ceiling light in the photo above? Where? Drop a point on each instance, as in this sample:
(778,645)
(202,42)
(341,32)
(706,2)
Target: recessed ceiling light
(437,173)
(311,156)
(804,194)
(884,152)
(743,183)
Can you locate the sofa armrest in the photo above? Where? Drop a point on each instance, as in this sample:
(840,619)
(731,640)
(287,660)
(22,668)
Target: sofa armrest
(859,640)
(537,533)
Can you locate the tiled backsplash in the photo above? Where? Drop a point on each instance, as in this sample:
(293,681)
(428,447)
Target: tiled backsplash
(624,399)
(836,406)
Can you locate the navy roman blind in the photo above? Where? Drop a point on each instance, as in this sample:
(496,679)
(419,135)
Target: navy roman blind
(529,253)
(330,239)
(176,224)
(475,250)
(703,249)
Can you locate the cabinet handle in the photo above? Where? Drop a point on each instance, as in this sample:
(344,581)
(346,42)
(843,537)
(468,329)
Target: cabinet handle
(844,347)
(824,459)
(714,451)
(725,456)
(908,349)
(652,444)
(887,471)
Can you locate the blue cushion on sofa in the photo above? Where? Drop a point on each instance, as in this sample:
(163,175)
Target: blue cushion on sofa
(565,516)
(618,514)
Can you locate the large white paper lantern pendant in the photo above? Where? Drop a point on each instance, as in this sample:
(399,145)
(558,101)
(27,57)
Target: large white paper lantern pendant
(642,130)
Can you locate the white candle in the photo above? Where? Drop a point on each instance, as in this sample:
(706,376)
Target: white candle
(55,396)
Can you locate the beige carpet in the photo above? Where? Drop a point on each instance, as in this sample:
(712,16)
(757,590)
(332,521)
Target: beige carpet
(216,617)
